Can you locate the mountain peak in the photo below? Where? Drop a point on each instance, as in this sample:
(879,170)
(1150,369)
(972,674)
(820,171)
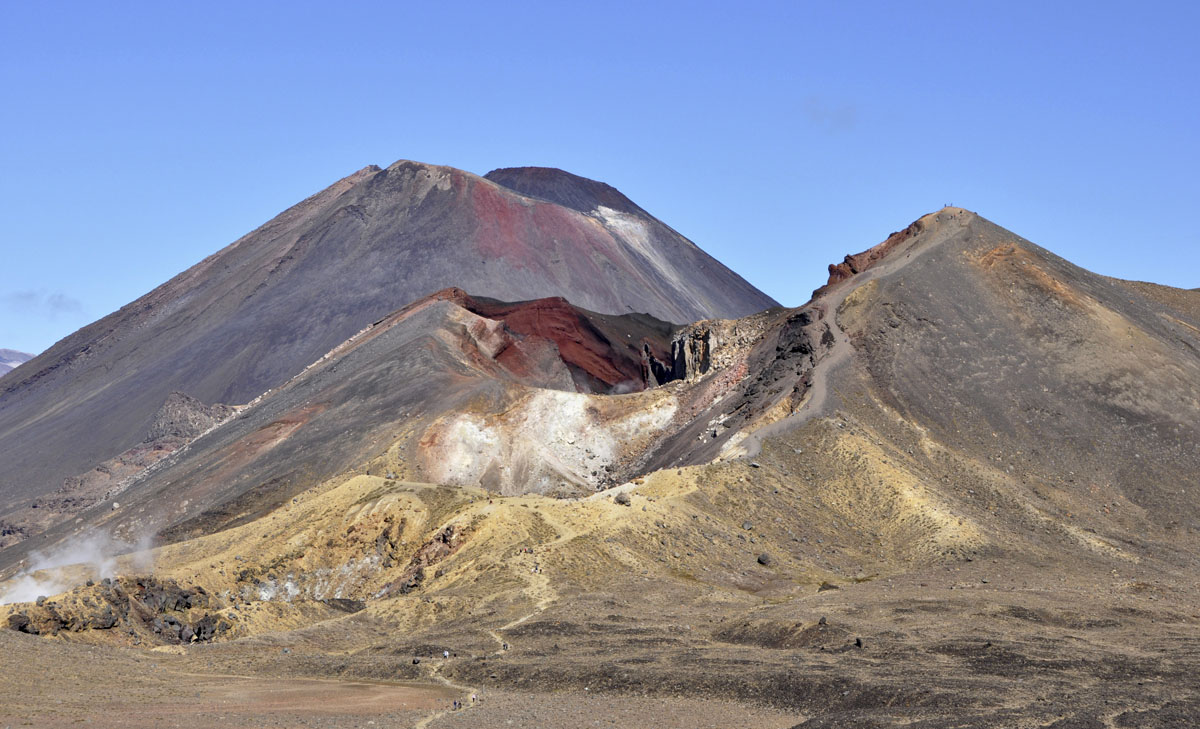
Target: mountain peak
(859,262)
(562,187)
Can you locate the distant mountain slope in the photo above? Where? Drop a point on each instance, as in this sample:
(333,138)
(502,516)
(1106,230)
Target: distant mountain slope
(252,315)
(10,358)
(656,246)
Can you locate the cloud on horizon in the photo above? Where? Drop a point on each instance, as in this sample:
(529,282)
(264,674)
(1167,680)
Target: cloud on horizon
(47,305)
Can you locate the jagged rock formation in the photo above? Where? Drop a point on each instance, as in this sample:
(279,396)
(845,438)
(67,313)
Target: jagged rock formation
(860,262)
(256,313)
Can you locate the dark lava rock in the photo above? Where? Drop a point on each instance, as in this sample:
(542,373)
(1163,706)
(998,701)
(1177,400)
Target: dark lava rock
(764,559)
(105,620)
(20,622)
(210,627)
(827,586)
(166,595)
(622,499)
(182,416)
(163,609)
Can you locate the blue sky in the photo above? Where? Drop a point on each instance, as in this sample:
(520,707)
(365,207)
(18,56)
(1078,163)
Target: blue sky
(135,139)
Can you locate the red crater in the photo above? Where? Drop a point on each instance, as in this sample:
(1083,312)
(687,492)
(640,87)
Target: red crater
(604,353)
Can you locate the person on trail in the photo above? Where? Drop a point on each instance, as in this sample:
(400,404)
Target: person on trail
(445,654)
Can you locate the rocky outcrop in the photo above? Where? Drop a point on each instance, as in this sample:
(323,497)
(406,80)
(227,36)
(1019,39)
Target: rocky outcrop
(690,352)
(140,609)
(441,545)
(185,417)
(715,344)
(860,262)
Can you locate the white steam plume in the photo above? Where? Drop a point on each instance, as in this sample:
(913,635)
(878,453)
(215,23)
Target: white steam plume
(91,556)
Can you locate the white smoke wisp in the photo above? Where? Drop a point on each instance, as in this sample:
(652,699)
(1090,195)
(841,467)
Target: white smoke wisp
(88,557)
(626,387)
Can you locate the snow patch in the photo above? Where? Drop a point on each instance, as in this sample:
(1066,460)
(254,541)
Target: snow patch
(633,231)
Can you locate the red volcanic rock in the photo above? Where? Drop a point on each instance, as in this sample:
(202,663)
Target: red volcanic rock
(583,347)
(604,353)
(860,262)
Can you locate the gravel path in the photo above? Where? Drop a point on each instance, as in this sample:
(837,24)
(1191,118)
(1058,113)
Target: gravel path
(497,709)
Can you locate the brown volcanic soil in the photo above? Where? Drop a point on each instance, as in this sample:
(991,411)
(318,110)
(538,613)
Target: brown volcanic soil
(101,687)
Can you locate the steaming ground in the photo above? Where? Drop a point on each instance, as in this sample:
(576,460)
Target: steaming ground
(93,556)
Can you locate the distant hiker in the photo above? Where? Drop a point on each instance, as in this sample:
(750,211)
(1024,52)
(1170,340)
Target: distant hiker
(445,654)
